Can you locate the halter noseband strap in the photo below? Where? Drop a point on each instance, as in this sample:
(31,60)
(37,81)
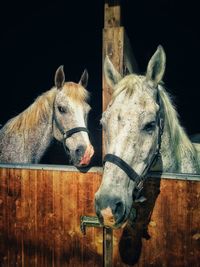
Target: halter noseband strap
(72,131)
(139,180)
(122,165)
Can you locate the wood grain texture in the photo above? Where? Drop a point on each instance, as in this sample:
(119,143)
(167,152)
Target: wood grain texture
(40,214)
(113,42)
(112,11)
(167,229)
(40,219)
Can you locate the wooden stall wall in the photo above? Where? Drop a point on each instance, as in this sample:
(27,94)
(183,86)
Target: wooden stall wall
(166,232)
(40,214)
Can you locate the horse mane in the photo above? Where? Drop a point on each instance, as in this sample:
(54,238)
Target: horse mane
(129,83)
(179,139)
(36,112)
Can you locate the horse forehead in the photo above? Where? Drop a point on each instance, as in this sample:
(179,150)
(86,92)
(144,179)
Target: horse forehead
(66,97)
(74,91)
(137,103)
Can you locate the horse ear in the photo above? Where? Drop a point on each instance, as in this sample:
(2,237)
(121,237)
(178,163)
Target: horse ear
(156,65)
(111,74)
(84,79)
(59,77)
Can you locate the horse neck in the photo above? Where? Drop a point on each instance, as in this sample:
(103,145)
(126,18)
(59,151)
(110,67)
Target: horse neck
(177,152)
(31,131)
(178,156)
(42,131)
(167,152)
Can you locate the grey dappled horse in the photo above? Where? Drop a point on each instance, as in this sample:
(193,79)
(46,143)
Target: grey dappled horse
(60,112)
(139,123)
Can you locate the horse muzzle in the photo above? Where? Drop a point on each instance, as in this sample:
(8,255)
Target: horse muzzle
(82,155)
(111,211)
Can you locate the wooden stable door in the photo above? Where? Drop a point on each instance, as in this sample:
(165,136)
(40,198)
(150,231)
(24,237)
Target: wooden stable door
(40,216)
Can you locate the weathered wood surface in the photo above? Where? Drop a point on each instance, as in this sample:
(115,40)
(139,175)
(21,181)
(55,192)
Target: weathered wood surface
(40,219)
(113,42)
(112,11)
(40,214)
(166,232)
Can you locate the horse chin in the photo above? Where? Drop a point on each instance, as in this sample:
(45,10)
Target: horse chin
(77,163)
(121,224)
(107,219)
(85,160)
(89,152)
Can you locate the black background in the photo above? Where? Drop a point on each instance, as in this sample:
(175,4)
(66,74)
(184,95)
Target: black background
(37,37)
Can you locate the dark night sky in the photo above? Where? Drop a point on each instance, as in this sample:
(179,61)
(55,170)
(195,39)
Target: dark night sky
(37,37)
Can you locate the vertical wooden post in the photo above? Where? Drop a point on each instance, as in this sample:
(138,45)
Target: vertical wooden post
(113,36)
(107,247)
(116,45)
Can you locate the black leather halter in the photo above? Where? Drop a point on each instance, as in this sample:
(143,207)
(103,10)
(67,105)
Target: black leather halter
(72,131)
(69,133)
(131,173)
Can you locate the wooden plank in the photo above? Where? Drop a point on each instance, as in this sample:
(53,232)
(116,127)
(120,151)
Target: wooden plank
(40,214)
(108,247)
(112,11)
(167,229)
(43,222)
(117,46)
(113,42)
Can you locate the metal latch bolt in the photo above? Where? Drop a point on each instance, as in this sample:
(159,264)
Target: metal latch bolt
(92,221)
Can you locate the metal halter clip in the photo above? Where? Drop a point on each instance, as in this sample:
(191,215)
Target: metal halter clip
(138,190)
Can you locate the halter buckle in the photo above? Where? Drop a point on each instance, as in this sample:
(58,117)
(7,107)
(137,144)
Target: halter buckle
(139,186)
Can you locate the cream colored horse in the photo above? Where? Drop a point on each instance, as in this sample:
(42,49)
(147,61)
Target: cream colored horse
(59,113)
(139,123)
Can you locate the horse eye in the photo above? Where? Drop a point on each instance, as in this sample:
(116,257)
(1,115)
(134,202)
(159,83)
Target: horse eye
(61,109)
(149,127)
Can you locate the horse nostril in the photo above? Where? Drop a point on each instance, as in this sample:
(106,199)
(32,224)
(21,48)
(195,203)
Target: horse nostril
(79,152)
(119,208)
(111,210)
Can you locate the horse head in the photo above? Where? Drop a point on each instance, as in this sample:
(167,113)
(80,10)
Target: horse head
(132,125)
(70,113)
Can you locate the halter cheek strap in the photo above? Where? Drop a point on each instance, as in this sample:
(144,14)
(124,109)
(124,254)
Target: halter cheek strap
(69,133)
(138,179)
